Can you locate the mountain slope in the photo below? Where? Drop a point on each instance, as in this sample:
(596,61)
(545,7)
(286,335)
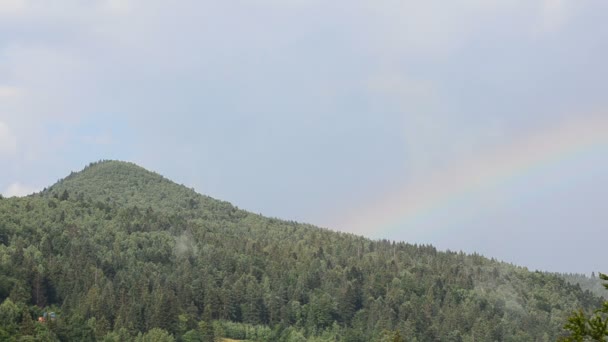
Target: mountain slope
(119,251)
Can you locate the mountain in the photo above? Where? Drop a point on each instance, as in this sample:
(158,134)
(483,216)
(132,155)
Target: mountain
(119,253)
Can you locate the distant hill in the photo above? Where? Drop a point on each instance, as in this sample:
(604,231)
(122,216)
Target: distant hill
(121,253)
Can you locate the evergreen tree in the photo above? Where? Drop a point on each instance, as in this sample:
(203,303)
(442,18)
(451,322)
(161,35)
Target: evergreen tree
(595,326)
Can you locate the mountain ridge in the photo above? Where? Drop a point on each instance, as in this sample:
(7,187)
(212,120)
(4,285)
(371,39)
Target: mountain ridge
(121,251)
(113,172)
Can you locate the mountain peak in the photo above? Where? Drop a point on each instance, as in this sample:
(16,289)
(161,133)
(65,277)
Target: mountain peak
(124,183)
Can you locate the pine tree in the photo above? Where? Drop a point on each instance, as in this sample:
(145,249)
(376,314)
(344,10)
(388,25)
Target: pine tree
(64,196)
(594,327)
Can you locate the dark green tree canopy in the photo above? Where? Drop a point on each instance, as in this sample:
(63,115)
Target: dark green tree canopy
(119,253)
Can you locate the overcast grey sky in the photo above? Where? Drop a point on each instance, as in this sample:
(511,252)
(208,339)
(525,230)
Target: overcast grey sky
(454,123)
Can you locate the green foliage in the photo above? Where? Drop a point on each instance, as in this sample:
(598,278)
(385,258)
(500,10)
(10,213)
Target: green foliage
(10,316)
(155,335)
(123,254)
(390,336)
(595,326)
(192,336)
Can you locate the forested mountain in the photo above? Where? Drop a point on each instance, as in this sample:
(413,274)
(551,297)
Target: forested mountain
(119,253)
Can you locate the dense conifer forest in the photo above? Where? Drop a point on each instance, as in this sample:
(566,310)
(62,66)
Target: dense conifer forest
(118,253)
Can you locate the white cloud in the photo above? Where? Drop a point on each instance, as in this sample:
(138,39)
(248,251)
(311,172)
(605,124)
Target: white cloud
(50,77)
(99,139)
(12,6)
(19,190)
(10,91)
(435,28)
(287,3)
(117,6)
(406,89)
(8,142)
(553,15)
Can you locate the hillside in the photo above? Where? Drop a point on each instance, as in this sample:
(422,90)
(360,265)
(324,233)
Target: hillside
(120,253)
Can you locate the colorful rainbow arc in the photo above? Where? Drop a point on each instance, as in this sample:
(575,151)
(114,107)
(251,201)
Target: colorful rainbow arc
(558,143)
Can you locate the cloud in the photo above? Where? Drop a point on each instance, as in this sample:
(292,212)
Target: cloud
(429,28)
(553,15)
(117,6)
(52,78)
(12,6)
(10,92)
(8,142)
(393,84)
(99,139)
(19,190)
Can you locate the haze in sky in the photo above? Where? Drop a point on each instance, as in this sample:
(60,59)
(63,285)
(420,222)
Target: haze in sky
(472,125)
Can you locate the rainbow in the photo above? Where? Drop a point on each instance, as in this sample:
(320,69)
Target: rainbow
(401,209)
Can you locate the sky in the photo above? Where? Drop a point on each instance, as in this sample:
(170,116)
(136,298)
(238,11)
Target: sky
(472,125)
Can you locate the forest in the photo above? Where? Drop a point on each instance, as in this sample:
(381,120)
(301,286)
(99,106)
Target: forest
(118,253)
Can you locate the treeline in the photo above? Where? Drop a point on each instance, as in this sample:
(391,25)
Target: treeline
(119,253)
